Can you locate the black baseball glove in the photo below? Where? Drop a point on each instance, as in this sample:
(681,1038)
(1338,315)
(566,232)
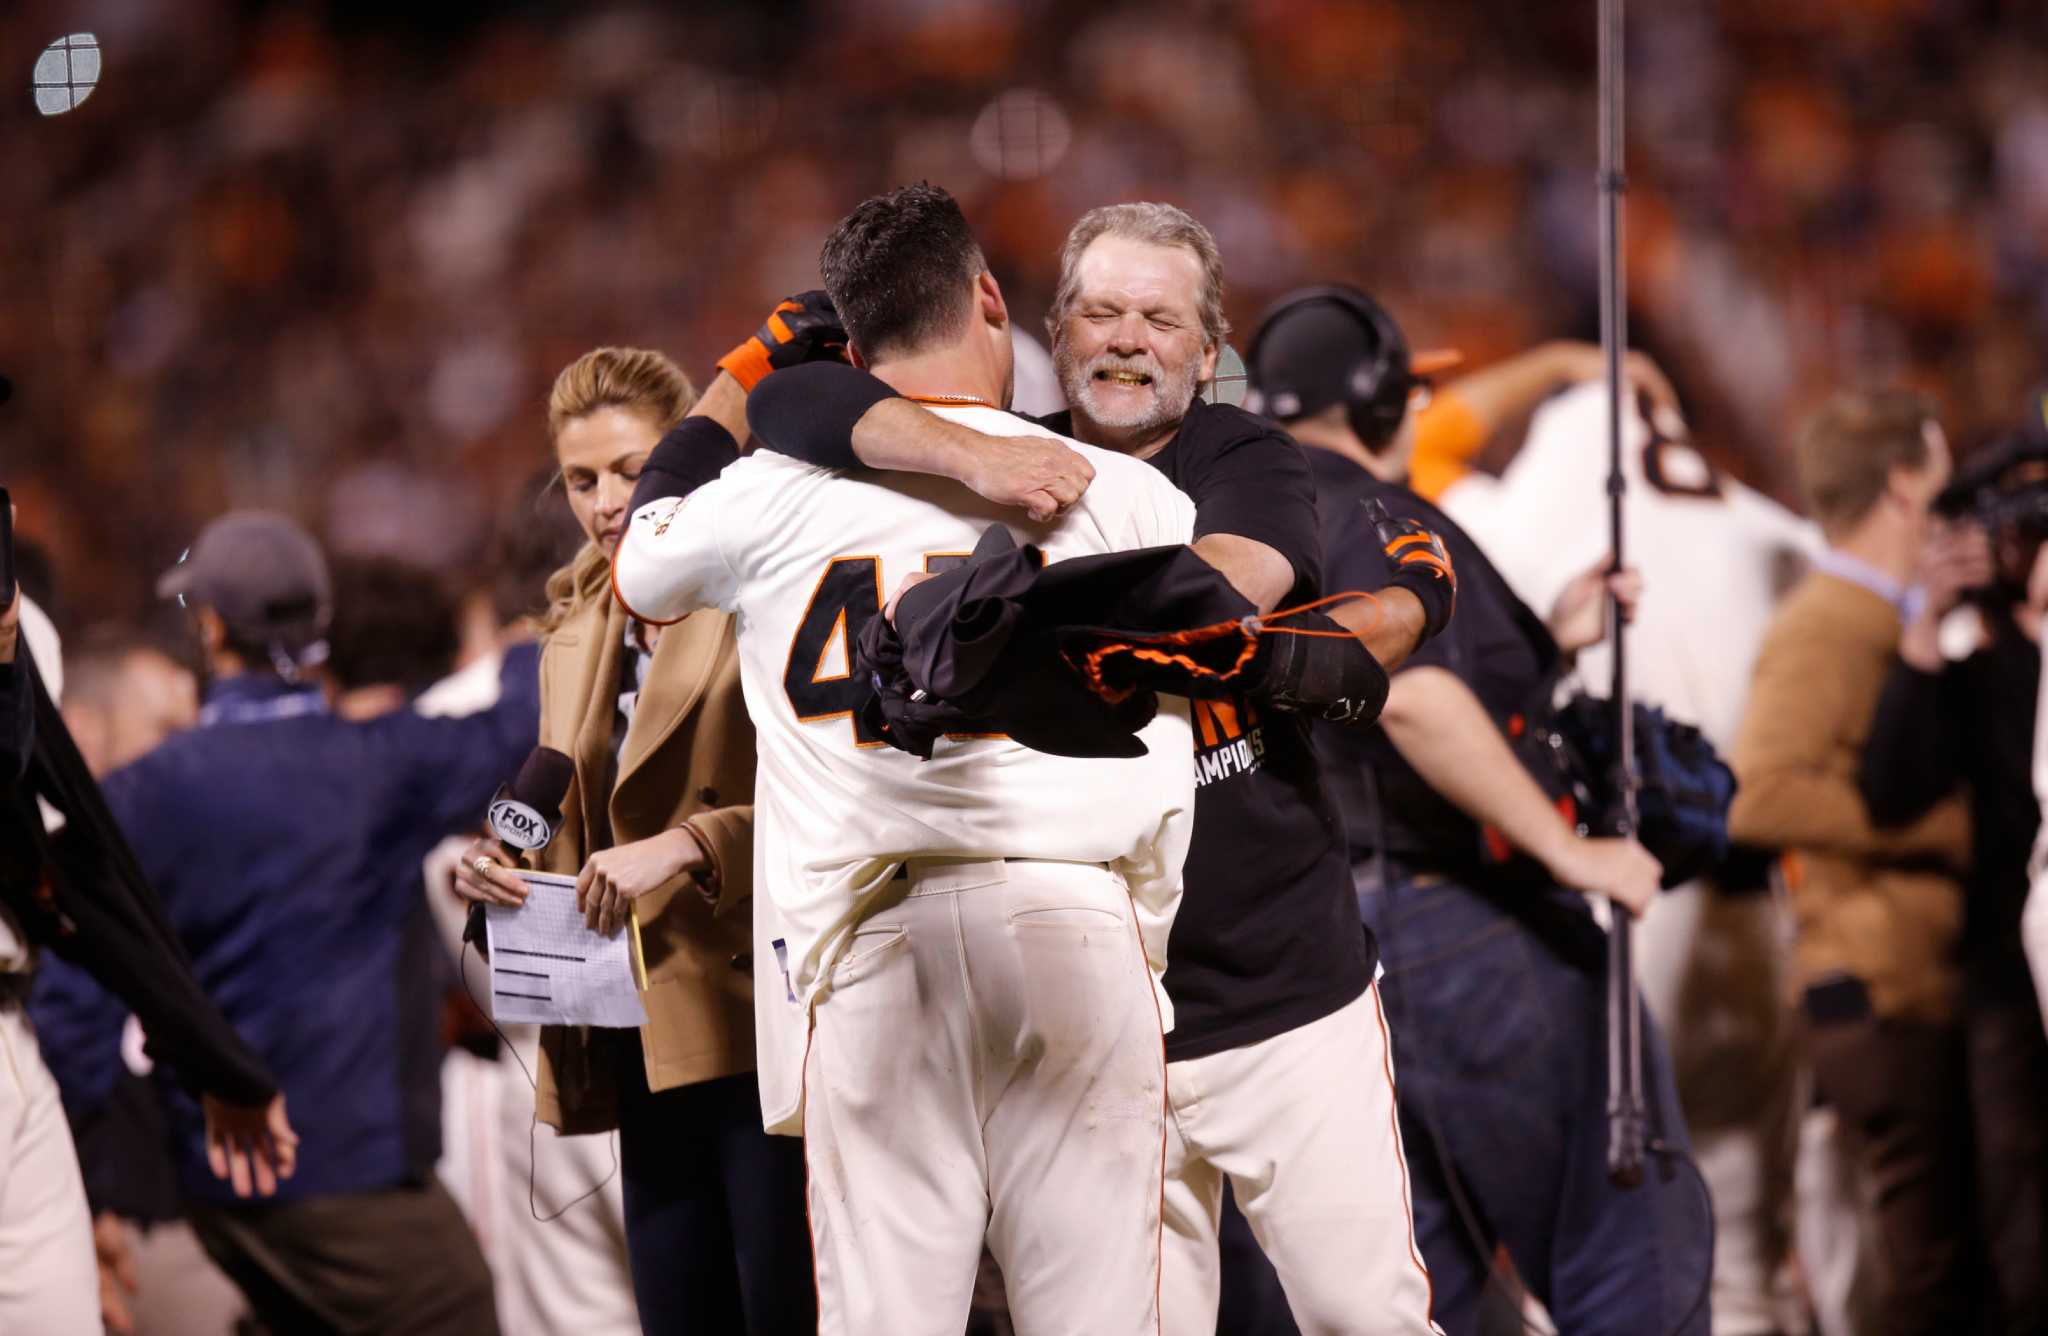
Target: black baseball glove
(1421,565)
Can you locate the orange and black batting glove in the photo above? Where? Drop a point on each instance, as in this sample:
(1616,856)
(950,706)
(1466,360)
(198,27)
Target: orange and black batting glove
(803,328)
(1421,565)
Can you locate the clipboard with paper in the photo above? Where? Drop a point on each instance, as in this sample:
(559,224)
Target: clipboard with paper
(549,968)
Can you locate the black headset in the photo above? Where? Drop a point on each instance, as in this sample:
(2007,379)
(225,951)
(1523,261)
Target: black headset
(1375,390)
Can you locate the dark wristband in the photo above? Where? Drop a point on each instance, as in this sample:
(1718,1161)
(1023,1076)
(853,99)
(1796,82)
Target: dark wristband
(1434,593)
(695,451)
(1331,675)
(808,412)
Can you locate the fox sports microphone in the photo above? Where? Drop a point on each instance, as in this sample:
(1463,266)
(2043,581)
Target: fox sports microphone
(527,812)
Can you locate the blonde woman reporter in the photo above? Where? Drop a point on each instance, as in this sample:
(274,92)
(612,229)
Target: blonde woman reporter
(659,822)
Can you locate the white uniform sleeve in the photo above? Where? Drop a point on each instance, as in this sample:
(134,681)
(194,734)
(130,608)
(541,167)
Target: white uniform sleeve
(41,635)
(2034,917)
(1161,514)
(1536,522)
(671,562)
(2041,764)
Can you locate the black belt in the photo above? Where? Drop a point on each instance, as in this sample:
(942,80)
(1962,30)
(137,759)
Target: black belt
(902,872)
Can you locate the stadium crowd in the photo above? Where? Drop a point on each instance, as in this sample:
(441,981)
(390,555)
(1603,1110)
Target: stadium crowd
(351,274)
(324,264)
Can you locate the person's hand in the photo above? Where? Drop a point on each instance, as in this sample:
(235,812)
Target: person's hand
(1622,870)
(910,582)
(484,875)
(113,1245)
(615,877)
(1037,474)
(1579,617)
(1956,559)
(800,329)
(251,1146)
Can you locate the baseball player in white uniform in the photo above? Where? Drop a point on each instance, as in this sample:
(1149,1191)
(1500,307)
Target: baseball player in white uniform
(2034,917)
(48,1281)
(1715,555)
(958,960)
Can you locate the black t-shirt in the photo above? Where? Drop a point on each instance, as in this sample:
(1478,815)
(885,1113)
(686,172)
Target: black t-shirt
(1494,644)
(1268,937)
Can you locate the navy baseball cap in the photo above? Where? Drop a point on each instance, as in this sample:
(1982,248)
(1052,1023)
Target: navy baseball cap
(262,573)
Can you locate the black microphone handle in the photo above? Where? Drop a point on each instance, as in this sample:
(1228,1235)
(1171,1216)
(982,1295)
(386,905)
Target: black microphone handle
(1627,1122)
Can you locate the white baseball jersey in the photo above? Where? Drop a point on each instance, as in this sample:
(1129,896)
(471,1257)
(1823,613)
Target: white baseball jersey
(803,556)
(41,637)
(2034,916)
(1714,554)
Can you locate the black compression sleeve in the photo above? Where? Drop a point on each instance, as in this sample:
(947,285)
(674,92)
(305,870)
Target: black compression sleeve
(808,412)
(695,451)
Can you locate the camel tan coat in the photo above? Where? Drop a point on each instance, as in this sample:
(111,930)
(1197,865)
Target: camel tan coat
(1883,905)
(688,757)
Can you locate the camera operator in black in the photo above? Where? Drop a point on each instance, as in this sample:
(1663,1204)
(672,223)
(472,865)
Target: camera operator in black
(1494,981)
(1967,718)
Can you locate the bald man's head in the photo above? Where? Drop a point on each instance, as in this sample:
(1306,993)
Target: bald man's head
(122,697)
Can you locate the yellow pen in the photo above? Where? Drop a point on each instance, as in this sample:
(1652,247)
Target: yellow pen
(639,953)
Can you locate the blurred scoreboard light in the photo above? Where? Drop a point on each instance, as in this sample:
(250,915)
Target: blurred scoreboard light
(1022,134)
(66,73)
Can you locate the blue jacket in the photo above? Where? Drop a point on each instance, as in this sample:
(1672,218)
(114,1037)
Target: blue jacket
(286,844)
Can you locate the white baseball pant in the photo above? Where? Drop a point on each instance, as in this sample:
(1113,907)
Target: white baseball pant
(49,1280)
(2034,938)
(988,1060)
(1304,1126)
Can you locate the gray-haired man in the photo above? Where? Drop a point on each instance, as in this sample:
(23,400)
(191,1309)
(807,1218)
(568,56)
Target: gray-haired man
(1279,1073)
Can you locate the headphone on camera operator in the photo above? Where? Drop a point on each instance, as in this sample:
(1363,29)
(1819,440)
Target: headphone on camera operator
(1378,386)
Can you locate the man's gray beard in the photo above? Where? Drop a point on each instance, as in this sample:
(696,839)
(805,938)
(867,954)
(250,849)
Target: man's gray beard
(1172,392)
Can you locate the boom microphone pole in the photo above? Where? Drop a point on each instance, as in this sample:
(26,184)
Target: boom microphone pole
(1626,1120)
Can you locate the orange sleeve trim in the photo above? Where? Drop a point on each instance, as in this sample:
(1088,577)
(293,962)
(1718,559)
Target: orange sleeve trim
(1448,437)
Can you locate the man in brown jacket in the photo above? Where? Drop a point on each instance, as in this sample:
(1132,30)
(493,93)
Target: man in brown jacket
(1879,912)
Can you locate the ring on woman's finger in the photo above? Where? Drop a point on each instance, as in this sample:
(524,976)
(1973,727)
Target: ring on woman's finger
(483,865)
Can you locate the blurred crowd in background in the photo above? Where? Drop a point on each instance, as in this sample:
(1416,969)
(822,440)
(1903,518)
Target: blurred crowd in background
(326,260)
